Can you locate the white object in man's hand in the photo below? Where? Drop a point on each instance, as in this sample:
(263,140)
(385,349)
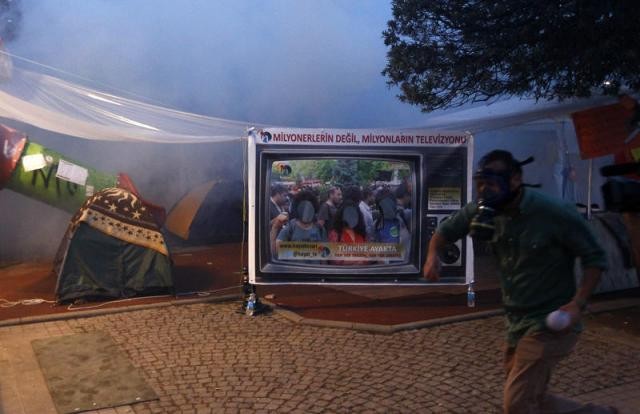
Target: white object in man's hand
(558,320)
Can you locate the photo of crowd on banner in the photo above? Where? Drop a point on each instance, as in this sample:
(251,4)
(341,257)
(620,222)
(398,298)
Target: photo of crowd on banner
(340,212)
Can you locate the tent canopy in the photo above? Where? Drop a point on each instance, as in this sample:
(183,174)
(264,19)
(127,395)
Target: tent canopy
(209,213)
(57,105)
(514,111)
(112,248)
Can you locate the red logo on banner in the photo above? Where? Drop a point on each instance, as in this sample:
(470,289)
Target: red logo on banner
(607,129)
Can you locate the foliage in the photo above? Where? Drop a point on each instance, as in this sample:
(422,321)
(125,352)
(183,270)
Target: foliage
(313,169)
(445,53)
(342,172)
(346,172)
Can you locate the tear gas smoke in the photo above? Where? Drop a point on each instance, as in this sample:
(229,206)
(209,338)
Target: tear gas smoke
(280,63)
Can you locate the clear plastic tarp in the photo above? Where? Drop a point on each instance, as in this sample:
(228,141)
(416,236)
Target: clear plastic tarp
(54,104)
(48,102)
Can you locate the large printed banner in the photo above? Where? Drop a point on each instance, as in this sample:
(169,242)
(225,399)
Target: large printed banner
(353,205)
(364,137)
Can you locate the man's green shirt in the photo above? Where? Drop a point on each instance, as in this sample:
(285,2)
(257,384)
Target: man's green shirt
(536,248)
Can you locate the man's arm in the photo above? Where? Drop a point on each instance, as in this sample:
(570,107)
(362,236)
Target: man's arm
(279,220)
(450,230)
(431,268)
(590,280)
(323,214)
(582,242)
(276,225)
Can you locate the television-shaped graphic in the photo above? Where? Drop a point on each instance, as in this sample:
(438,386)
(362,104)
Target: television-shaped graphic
(354,206)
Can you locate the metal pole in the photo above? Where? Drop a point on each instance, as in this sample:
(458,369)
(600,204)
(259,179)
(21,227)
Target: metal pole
(589,189)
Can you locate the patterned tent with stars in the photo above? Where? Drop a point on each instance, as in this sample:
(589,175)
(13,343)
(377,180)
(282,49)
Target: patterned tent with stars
(112,248)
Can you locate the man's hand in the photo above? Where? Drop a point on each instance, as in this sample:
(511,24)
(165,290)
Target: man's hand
(574,312)
(279,221)
(282,218)
(431,269)
(590,279)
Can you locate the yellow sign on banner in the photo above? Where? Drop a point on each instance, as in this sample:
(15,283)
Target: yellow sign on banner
(339,251)
(444,198)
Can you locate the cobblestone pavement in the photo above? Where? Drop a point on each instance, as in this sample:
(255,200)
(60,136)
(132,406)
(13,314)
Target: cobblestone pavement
(210,358)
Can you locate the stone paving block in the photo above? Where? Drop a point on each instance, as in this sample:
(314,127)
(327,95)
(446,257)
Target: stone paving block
(9,399)
(107,411)
(207,357)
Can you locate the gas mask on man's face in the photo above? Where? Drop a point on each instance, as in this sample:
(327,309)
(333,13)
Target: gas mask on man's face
(482,225)
(495,194)
(491,201)
(306,211)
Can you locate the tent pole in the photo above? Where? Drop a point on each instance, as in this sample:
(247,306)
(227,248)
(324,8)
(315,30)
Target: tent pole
(589,189)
